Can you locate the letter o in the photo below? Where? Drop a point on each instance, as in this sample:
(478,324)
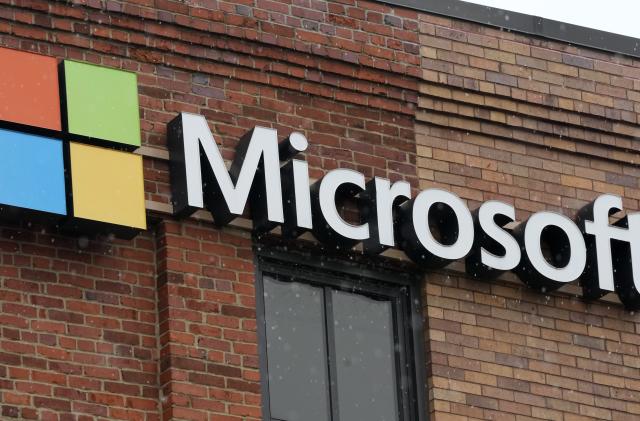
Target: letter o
(418,240)
(535,270)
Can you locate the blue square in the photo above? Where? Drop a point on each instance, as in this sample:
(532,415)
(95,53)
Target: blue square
(32,172)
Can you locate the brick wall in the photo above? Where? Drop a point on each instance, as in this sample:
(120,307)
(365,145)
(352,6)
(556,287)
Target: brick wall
(163,327)
(208,340)
(502,352)
(543,126)
(78,328)
(344,74)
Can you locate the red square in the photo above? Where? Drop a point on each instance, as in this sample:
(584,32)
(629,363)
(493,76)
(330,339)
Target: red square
(29,92)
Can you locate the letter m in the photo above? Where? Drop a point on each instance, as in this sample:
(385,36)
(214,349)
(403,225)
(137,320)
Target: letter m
(200,179)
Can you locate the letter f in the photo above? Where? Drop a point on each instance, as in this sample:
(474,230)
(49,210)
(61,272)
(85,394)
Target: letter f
(601,274)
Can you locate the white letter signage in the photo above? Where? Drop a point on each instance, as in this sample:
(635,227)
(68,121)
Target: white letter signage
(435,228)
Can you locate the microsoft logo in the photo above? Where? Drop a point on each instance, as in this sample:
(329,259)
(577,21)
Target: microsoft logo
(66,134)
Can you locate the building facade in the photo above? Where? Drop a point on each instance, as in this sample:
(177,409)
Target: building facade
(181,321)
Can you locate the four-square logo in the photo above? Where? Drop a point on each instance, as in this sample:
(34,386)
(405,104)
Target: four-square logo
(66,135)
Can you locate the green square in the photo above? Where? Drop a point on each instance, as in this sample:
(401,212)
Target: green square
(102,103)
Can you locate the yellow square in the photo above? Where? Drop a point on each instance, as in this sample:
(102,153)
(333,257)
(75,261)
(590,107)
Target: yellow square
(107,186)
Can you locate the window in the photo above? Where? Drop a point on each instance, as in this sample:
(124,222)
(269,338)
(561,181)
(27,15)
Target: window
(337,347)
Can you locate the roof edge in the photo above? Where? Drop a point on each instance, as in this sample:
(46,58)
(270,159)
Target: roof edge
(527,24)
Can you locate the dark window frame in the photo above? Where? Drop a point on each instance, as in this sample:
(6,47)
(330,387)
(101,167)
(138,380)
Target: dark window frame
(372,279)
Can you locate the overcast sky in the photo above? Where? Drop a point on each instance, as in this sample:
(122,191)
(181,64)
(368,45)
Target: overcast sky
(617,16)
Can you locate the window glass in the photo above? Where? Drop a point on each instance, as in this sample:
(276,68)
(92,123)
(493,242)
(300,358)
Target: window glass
(336,354)
(365,357)
(296,351)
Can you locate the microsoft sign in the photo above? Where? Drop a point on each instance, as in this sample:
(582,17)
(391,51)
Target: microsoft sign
(433,228)
(67,130)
